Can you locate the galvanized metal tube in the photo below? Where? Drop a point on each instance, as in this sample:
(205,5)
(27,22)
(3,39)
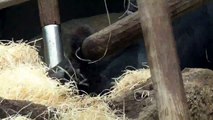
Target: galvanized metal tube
(53,50)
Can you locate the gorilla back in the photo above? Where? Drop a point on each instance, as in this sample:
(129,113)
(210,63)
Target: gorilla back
(193,35)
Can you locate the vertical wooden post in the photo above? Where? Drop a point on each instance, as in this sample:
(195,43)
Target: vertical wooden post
(163,60)
(49,12)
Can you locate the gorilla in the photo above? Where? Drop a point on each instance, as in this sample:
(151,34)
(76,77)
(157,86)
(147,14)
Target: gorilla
(193,33)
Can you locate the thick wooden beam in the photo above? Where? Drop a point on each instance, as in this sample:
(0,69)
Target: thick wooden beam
(123,33)
(9,3)
(49,12)
(116,37)
(163,60)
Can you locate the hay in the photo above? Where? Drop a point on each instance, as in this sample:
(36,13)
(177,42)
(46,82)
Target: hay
(13,54)
(16,117)
(127,82)
(27,82)
(23,76)
(89,109)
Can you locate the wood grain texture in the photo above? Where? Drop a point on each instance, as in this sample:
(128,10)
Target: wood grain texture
(163,60)
(49,12)
(9,3)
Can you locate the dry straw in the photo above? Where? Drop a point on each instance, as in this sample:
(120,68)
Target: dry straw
(127,82)
(23,76)
(16,117)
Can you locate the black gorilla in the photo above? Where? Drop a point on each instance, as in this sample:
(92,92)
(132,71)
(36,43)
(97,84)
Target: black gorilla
(194,40)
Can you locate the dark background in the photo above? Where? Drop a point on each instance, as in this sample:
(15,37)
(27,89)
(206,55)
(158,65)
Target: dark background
(22,21)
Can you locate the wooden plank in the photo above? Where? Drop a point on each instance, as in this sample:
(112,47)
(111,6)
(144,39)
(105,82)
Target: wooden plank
(48,12)
(163,60)
(9,3)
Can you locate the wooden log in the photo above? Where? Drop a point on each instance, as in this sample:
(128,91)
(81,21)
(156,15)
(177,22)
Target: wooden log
(163,61)
(123,32)
(48,12)
(9,3)
(119,35)
(13,107)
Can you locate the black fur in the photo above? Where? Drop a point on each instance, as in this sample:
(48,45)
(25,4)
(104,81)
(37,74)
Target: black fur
(194,40)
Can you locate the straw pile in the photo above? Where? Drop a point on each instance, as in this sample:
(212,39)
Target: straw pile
(129,81)
(23,77)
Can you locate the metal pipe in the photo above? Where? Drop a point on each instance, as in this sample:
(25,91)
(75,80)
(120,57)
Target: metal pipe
(53,50)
